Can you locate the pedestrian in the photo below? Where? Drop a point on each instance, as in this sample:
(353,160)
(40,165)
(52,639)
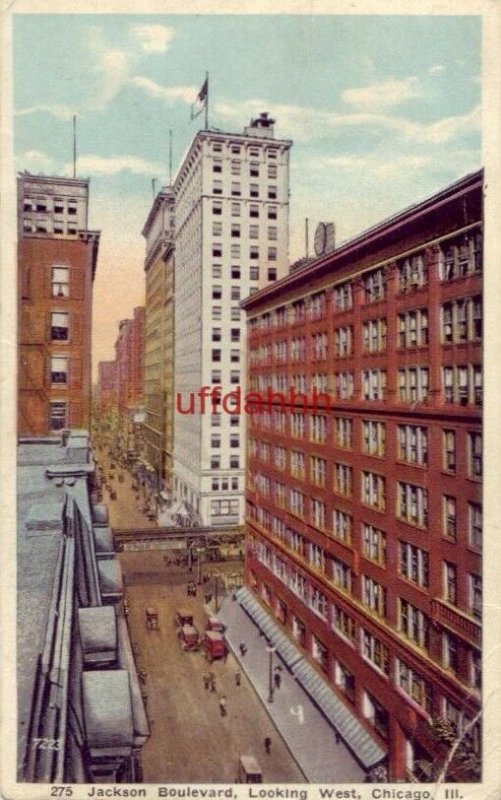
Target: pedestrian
(267,744)
(243,648)
(222,705)
(212,682)
(206,681)
(337,735)
(238,677)
(278,679)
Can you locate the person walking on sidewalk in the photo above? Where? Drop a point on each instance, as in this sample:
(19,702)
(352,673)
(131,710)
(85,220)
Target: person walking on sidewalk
(267,744)
(238,677)
(243,648)
(277,678)
(222,705)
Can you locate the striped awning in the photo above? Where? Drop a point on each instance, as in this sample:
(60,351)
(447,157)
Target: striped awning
(358,739)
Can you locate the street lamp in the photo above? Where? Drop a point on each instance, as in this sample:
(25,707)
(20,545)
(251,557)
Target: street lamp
(270,649)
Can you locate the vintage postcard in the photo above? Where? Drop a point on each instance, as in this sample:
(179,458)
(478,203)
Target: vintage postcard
(250,298)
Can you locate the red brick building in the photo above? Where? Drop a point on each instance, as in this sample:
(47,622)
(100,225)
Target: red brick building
(364,514)
(106,385)
(129,360)
(57,257)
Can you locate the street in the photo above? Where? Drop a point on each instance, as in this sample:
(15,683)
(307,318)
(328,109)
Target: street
(190,741)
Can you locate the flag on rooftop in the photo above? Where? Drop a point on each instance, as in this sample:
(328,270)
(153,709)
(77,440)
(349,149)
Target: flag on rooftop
(201,102)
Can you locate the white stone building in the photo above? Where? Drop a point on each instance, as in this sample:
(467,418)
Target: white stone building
(232,237)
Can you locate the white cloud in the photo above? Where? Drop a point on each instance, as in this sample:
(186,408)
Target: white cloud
(169,94)
(60,112)
(153,38)
(112,70)
(99,165)
(384,94)
(436,69)
(35,161)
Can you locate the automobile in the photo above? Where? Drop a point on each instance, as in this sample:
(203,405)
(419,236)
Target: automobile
(214,645)
(215,624)
(188,637)
(249,770)
(183,617)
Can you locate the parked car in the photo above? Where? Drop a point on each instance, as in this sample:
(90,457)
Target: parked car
(183,617)
(215,624)
(249,770)
(214,645)
(188,637)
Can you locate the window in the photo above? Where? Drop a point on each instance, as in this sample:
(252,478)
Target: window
(461,257)
(449,516)
(413,384)
(272,212)
(59,369)
(299,631)
(235,334)
(272,192)
(235,230)
(475,525)
(59,324)
(217,165)
(413,623)
(254,169)
(463,384)
(254,190)
(224,508)
(215,462)
(342,525)
(216,271)
(217,292)
(318,428)
(235,166)
(344,385)
(475,455)
(344,624)
(341,575)
(462,320)
(235,149)
(216,312)
(236,190)
(449,450)
(412,273)
(413,444)
(320,653)
(374,596)
(235,292)
(272,274)
(345,680)
(414,686)
(376,714)
(58,416)
(413,328)
(414,564)
(374,336)
(374,384)
(343,479)
(374,490)
(254,212)
(216,376)
(235,356)
(374,286)
(217,228)
(272,170)
(343,341)
(217,251)
(343,296)
(234,462)
(374,651)
(272,233)
(374,544)
(319,346)
(217,208)
(316,558)
(217,187)
(318,470)
(216,355)
(254,273)
(475,595)
(60,282)
(412,504)
(272,253)
(450,653)
(298,460)
(374,437)
(296,502)
(235,376)
(234,440)
(254,252)
(344,432)
(450,583)
(318,510)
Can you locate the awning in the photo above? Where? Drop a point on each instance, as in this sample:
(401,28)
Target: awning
(286,650)
(358,739)
(366,749)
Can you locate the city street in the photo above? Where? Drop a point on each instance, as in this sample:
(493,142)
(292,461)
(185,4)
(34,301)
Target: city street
(127,509)
(190,740)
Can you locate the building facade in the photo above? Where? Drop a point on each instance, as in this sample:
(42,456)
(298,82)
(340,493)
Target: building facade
(364,511)
(129,359)
(57,258)
(106,385)
(232,218)
(159,336)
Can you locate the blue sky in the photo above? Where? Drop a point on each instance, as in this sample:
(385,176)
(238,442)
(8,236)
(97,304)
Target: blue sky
(382,110)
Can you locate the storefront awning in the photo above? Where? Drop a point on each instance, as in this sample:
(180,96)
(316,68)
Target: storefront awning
(358,739)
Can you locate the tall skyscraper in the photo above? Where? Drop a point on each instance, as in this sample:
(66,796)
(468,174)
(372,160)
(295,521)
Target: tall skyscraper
(159,335)
(232,231)
(364,502)
(57,257)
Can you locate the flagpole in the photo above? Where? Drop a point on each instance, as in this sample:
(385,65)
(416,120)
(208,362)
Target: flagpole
(207,102)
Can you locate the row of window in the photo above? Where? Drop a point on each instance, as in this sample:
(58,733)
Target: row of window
(411,503)
(255,209)
(58,227)
(461,384)
(235,252)
(457,258)
(461,322)
(411,622)
(270,153)
(412,444)
(254,191)
(236,231)
(57,205)
(254,168)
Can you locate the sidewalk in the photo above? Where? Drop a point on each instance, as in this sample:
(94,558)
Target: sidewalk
(307,733)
